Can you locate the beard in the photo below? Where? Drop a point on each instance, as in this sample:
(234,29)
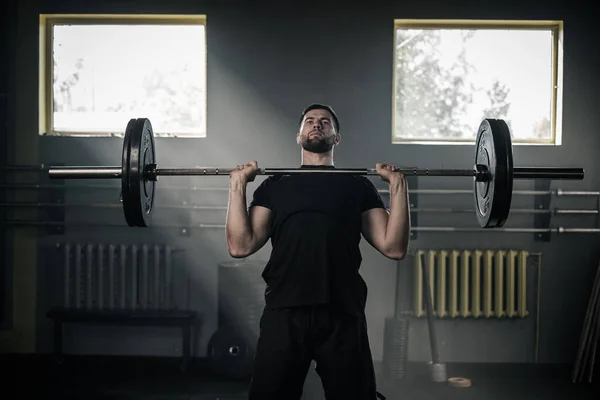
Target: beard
(318,145)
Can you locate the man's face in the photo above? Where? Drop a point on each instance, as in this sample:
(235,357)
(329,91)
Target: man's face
(317,132)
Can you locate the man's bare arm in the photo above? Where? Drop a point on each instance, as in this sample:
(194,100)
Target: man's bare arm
(389,233)
(247,231)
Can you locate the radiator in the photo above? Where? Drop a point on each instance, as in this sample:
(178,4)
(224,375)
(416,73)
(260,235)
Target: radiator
(472,283)
(117,276)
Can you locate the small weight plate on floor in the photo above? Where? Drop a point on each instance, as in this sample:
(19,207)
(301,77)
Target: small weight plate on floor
(138,191)
(494,150)
(229,354)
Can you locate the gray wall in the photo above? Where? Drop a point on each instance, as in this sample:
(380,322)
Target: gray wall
(264,65)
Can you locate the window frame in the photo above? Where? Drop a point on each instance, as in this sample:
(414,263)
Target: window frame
(556,28)
(46,70)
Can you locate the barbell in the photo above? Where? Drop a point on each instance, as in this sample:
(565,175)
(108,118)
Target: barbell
(493,172)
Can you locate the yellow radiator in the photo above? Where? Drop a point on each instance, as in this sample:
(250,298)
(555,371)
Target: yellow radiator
(472,283)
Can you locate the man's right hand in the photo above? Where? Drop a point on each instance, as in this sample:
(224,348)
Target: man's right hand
(246,172)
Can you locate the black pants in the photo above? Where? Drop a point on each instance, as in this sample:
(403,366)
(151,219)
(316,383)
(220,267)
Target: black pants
(291,338)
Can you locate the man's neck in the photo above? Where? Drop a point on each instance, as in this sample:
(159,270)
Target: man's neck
(309,158)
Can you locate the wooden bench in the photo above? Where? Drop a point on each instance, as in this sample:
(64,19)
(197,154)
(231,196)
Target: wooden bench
(182,319)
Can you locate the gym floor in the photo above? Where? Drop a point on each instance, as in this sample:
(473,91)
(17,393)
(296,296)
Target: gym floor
(110,378)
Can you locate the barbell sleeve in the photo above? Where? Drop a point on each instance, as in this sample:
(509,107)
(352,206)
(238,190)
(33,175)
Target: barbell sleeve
(548,173)
(85,172)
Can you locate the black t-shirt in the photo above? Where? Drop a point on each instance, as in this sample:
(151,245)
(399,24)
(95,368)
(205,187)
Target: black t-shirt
(316,231)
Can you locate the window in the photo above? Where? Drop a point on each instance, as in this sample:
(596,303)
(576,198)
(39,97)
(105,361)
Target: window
(99,71)
(450,75)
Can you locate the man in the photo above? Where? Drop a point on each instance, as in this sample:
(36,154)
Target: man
(315,297)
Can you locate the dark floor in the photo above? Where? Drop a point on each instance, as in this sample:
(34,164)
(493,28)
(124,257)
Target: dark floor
(109,378)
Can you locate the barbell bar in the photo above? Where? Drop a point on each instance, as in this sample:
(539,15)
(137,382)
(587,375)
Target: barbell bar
(479,173)
(493,172)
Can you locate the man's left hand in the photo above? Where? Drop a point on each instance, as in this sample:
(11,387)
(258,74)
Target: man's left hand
(389,172)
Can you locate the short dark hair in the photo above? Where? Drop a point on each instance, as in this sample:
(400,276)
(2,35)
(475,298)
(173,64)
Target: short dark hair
(317,106)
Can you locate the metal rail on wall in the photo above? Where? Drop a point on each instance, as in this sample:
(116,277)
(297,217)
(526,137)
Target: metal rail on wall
(200,207)
(556,230)
(556,192)
(34,186)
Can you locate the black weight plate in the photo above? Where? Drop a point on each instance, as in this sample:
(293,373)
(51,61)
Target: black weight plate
(139,201)
(229,354)
(493,148)
(506,202)
(125,167)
